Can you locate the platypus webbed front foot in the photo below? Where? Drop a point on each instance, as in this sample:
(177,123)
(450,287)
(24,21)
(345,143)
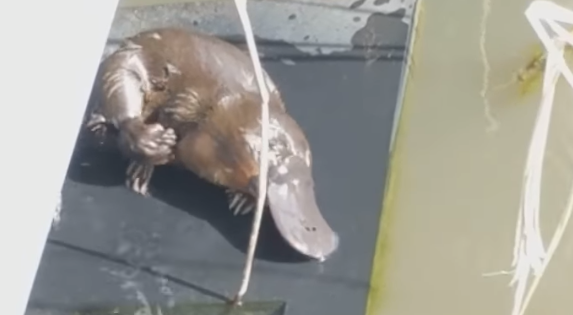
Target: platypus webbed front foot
(138,176)
(151,143)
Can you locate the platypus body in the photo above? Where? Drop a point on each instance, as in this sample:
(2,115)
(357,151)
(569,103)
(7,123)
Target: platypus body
(191,99)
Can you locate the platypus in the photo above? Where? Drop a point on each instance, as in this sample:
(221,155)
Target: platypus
(191,99)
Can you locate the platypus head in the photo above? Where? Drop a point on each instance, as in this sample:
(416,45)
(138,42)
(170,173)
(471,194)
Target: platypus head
(291,199)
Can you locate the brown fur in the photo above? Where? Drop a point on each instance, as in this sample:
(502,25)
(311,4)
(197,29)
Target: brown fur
(219,104)
(202,91)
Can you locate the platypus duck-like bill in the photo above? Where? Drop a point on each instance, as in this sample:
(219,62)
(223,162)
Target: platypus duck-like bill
(292,203)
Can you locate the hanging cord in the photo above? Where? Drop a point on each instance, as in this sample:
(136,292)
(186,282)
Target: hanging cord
(263,161)
(530,256)
(529,253)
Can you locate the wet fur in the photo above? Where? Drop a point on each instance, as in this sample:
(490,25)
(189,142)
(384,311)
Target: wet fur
(209,97)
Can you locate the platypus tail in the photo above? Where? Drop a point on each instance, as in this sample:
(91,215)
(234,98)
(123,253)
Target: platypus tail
(291,199)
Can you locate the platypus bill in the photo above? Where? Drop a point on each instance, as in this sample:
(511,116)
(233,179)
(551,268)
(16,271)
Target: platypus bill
(209,97)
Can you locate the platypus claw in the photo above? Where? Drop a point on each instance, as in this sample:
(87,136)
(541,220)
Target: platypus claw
(96,124)
(240,203)
(138,188)
(138,176)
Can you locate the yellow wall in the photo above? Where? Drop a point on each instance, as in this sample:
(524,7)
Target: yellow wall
(454,189)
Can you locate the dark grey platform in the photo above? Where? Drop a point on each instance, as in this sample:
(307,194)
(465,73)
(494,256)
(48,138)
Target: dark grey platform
(116,251)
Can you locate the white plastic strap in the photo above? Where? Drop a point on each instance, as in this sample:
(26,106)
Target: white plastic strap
(530,257)
(264,163)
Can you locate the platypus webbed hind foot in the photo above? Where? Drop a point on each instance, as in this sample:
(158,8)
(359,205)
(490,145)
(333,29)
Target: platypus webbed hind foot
(147,142)
(138,176)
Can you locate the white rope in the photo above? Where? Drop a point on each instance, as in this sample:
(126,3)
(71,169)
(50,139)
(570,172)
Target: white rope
(263,161)
(530,256)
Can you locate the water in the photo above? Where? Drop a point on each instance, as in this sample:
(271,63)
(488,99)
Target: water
(452,210)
